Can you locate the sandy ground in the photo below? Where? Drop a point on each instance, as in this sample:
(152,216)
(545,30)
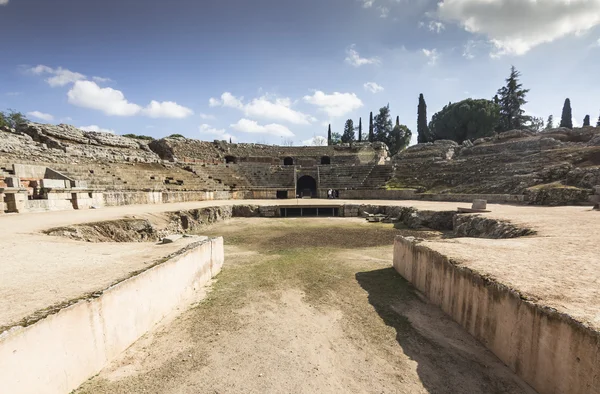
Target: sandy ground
(307,306)
(560,267)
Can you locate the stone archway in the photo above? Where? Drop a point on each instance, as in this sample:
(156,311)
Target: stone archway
(306,187)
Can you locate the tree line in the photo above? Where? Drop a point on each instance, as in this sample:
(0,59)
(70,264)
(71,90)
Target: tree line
(381,129)
(468,119)
(476,118)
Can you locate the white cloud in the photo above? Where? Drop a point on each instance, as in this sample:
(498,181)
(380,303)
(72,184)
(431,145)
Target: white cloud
(317,140)
(366,3)
(88,94)
(41,115)
(166,109)
(335,104)
(516,26)
(62,76)
(435,26)
(3,2)
(13,93)
(264,107)
(59,76)
(250,126)
(353,58)
(101,79)
(207,116)
(432,55)
(220,133)
(373,87)
(97,129)
(384,12)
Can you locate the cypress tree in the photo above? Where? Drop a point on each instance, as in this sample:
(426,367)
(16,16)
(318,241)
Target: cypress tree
(371,128)
(422,129)
(348,135)
(383,126)
(359,129)
(566,119)
(511,99)
(550,122)
(329,136)
(586,120)
(598,123)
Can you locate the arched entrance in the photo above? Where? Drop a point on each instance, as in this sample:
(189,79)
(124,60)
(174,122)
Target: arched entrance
(230,159)
(325,160)
(288,161)
(306,187)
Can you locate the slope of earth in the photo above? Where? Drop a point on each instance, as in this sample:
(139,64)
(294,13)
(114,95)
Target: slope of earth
(304,306)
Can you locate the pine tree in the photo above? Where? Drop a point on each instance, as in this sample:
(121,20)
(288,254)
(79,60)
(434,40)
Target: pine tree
(371,135)
(359,129)
(566,119)
(382,125)
(422,129)
(586,120)
(329,136)
(550,122)
(348,135)
(511,99)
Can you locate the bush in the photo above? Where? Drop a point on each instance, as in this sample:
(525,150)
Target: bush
(176,136)
(139,137)
(466,120)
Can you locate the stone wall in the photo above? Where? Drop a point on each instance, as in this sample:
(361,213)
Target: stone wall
(73,343)
(550,351)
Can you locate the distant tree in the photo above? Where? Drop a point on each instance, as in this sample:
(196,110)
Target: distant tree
(329,135)
(176,136)
(230,140)
(139,137)
(382,125)
(12,118)
(284,142)
(371,135)
(422,128)
(399,138)
(598,122)
(566,120)
(586,120)
(348,135)
(466,120)
(359,129)
(535,124)
(511,99)
(336,138)
(550,122)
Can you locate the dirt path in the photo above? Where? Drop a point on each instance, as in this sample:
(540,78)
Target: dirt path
(305,306)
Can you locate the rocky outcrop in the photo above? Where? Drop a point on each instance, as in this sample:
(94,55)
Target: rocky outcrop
(557,194)
(65,144)
(477,226)
(509,163)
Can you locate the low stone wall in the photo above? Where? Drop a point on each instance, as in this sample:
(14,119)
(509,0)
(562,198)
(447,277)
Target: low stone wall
(62,350)
(550,351)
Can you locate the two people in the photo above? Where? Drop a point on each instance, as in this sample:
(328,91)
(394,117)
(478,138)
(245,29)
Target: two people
(333,194)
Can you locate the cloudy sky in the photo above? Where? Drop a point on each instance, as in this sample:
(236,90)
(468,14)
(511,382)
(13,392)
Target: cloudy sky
(269,70)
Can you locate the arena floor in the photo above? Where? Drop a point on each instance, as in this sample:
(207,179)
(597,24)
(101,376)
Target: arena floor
(559,267)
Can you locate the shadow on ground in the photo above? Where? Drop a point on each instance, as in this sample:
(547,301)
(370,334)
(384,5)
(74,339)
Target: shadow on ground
(446,362)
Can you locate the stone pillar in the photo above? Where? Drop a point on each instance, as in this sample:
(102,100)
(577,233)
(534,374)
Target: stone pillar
(479,204)
(16,201)
(2,204)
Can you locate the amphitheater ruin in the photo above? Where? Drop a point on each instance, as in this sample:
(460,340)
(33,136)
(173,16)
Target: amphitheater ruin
(178,265)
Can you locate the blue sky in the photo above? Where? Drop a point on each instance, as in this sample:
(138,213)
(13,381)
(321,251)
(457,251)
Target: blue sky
(269,70)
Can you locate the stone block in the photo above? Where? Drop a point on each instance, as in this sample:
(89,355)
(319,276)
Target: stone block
(171,238)
(479,204)
(12,181)
(55,184)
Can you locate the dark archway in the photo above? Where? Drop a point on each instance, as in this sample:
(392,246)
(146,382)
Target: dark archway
(288,161)
(306,187)
(325,160)
(230,159)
